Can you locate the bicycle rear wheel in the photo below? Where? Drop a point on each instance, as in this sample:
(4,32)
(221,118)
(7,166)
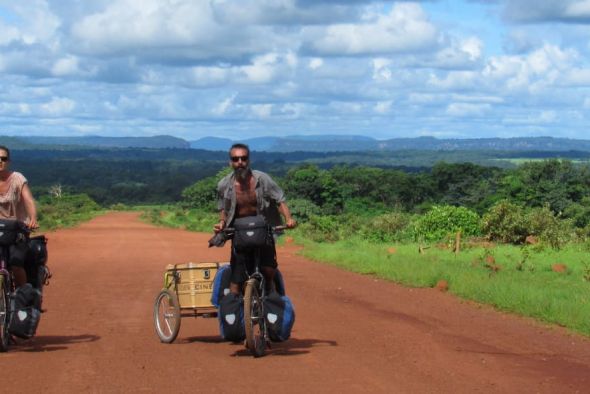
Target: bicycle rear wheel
(4,316)
(254,319)
(167,316)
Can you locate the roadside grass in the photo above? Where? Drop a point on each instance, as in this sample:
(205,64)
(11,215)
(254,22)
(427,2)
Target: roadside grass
(176,217)
(66,211)
(513,279)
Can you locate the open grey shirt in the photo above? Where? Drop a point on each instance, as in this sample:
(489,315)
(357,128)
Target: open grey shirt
(268,197)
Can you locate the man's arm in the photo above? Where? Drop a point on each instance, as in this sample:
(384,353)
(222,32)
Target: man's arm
(222,222)
(284,210)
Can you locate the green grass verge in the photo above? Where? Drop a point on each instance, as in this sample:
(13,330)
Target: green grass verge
(66,211)
(176,217)
(514,282)
(519,280)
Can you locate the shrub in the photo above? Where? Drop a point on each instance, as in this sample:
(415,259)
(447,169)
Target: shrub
(66,210)
(542,222)
(505,222)
(443,220)
(321,228)
(203,194)
(303,209)
(389,227)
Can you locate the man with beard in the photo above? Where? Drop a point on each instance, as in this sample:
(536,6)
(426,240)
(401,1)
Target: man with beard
(246,192)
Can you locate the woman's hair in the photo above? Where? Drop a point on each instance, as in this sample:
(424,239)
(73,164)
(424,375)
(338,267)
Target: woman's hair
(2,147)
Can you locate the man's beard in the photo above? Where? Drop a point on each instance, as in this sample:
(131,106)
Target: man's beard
(242,173)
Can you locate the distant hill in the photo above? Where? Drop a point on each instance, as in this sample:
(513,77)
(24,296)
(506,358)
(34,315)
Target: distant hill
(339,143)
(301,143)
(14,143)
(211,143)
(304,143)
(160,141)
(506,144)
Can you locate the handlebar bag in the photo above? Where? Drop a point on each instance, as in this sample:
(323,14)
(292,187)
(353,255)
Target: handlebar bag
(9,231)
(250,232)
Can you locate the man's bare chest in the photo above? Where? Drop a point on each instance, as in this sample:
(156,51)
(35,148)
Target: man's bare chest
(246,195)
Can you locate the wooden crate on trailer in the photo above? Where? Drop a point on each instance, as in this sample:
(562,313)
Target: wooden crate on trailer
(192,282)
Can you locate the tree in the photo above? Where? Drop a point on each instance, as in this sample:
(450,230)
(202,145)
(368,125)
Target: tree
(318,186)
(203,194)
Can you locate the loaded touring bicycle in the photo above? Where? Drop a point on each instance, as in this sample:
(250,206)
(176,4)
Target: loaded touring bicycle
(202,290)
(20,308)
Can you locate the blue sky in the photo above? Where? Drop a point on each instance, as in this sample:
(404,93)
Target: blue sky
(248,68)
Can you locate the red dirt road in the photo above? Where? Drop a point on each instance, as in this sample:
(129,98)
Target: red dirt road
(353,333)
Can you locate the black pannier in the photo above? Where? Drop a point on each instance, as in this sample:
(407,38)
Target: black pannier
(38,250)
(36,260)
(222,281)
(26,305)
(231,318)
(250,232)
(9,231)
(280,316)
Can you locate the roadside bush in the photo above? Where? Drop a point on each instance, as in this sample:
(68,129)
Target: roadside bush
(203,194)
(65,210)
(505,222)
(388,227)
(303,209)
(443,220)
(321,228)
(542,222)
(579,213)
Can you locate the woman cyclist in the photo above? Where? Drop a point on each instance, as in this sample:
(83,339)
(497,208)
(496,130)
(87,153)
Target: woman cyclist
(16,203)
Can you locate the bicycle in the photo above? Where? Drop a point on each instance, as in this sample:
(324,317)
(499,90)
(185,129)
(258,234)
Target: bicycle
(254,293)
(11,232)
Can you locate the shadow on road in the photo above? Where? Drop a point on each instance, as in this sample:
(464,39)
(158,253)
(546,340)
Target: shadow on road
(203,339)
(291,347)
(51,343)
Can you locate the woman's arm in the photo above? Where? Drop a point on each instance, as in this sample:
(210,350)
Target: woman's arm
(30,207)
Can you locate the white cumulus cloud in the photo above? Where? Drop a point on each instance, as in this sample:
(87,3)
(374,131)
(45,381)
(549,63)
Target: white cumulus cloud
(405,28)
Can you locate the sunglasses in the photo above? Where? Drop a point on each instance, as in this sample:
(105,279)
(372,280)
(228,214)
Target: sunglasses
(3,159)
(235,159)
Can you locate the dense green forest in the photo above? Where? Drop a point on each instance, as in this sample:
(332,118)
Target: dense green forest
(147,176)
(402,195)
(549,199)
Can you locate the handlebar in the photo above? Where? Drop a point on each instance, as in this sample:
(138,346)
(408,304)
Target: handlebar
(226,233)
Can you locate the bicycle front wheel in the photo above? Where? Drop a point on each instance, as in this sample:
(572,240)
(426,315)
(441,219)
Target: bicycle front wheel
(254,319)
(4,316)
(167,316)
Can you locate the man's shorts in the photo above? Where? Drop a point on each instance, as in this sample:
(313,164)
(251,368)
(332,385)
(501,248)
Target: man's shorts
(243,261)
